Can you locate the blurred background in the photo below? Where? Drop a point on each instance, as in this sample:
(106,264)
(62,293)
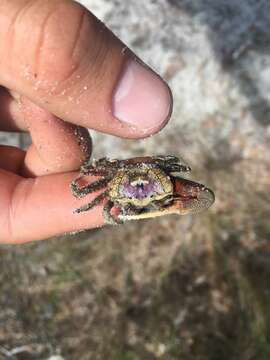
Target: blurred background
(191,287)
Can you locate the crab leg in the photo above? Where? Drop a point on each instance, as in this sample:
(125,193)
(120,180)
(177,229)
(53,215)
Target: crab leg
(172,163)
(108,217)
(84,171)
(93,203)
(85,190)
(177,168)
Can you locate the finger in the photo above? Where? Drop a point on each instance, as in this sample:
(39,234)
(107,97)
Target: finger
(78,70)
(36,209)
(11,117)
(11,158)
(57,146)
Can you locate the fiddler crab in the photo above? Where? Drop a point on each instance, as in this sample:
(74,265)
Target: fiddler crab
(141,187)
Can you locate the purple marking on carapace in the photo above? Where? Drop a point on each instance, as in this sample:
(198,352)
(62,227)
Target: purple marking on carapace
(141,191)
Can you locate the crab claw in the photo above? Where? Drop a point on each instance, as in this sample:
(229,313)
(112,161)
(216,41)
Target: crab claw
(190,197)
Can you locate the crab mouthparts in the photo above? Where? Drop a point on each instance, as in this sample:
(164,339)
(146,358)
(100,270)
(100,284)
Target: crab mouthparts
(141,189)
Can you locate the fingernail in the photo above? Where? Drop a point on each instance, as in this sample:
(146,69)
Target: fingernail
(141,98)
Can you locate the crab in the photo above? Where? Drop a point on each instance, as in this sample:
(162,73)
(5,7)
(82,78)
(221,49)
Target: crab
(141,187)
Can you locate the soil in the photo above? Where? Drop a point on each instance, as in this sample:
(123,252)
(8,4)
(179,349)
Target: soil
(191,287)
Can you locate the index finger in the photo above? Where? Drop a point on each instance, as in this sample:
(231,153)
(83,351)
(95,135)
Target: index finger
(74,67)
(36,209)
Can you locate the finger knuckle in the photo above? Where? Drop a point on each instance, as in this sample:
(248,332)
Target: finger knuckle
(58,48)
(68,51)
(58,36)
(58,44)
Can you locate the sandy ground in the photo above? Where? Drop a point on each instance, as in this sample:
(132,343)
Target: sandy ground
(198,286)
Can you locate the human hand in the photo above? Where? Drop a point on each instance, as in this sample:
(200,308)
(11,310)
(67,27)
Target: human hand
(62,71)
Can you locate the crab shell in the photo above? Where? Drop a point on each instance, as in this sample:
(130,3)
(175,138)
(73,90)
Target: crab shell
(125,187)
(189,197)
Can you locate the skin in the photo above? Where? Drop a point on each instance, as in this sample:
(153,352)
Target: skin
(44,65)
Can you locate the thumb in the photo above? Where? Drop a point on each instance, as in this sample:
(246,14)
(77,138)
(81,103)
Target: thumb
(65,60)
